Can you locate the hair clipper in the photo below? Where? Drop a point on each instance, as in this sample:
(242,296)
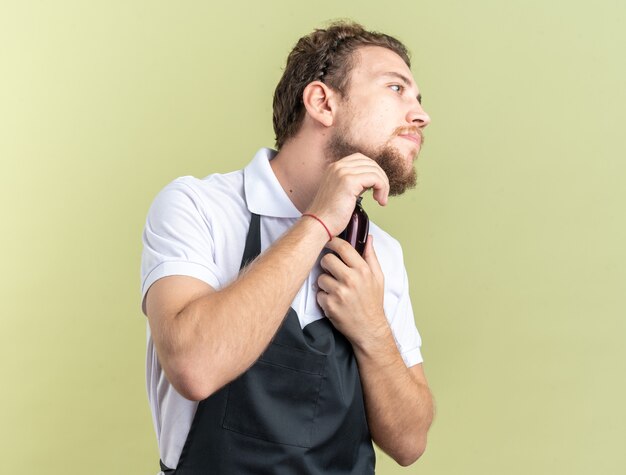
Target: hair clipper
(358,228)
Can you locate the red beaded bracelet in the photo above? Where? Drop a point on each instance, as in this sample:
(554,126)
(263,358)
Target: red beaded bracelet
(330,236)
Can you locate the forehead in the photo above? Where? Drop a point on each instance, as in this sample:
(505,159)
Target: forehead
(372,62)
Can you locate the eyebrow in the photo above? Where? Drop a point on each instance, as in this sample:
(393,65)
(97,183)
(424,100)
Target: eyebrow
(404,79)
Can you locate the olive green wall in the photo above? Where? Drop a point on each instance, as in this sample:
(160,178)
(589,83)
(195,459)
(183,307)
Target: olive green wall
(514,239)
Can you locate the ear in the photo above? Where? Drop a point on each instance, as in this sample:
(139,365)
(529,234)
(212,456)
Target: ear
(320,102)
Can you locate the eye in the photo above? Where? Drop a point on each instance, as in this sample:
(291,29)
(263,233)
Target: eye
(397,87)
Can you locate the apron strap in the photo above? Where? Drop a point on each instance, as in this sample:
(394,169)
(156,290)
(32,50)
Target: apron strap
(165,469)
(253,241)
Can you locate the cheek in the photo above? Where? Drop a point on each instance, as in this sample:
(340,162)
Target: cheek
(373,124)
(382,118)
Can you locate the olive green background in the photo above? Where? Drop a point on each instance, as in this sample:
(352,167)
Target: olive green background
(514,238)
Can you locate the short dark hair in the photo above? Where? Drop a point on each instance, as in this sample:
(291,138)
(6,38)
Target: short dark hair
(325,55)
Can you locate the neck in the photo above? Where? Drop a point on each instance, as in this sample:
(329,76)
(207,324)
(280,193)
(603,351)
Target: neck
(299,167)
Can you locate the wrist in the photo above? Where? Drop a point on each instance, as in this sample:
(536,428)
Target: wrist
(311,230)
(377,343)
(321,223)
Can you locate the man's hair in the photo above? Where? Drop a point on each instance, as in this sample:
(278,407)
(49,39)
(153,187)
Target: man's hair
(325,55)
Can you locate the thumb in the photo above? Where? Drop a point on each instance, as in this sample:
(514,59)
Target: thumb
(370,257)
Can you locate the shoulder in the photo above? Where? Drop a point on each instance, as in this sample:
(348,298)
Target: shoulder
(391,259)
(212,188)
(385,244)
(216,193)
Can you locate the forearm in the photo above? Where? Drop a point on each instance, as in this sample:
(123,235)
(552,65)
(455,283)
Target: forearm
(399,406)
(218,336)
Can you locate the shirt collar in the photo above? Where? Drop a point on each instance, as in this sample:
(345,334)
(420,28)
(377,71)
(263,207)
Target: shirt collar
(264,194)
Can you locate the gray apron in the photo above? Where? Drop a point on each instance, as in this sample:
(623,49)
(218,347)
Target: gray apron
(297,411)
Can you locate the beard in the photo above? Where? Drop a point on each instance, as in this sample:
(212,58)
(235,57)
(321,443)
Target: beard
(387,156)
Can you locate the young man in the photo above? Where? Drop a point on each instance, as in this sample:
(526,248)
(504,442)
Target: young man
(267,352)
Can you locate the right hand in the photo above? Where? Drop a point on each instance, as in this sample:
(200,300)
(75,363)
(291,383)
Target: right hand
(343,181)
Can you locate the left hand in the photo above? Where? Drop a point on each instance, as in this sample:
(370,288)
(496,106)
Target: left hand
(352,292)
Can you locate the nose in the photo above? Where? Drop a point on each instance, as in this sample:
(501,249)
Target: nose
(418,116)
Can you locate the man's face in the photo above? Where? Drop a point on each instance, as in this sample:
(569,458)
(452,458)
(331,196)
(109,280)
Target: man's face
(381,117)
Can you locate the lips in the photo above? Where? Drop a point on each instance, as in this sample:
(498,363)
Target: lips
(413,134)
(417,139)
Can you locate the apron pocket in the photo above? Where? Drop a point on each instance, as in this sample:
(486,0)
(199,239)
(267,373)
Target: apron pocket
(276,399)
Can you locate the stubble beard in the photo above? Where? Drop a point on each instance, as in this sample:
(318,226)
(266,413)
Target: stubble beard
(401,178)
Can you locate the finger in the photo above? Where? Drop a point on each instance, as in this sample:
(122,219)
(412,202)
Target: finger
(381,196)
(356,158)
(368,176)
(322,300)
(371,258)
(333,265)
(371,175)
(348,256)
(359,163)
(380,192)
(327,283)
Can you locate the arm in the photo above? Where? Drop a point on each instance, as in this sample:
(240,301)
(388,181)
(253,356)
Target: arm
(398,402)
(200,332)
(397,399)
(204,337)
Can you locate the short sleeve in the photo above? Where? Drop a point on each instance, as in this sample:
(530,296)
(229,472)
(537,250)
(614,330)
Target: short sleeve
(177,238)
(402,324)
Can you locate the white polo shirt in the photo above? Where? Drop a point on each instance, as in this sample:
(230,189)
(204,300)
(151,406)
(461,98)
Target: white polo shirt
(198,228)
